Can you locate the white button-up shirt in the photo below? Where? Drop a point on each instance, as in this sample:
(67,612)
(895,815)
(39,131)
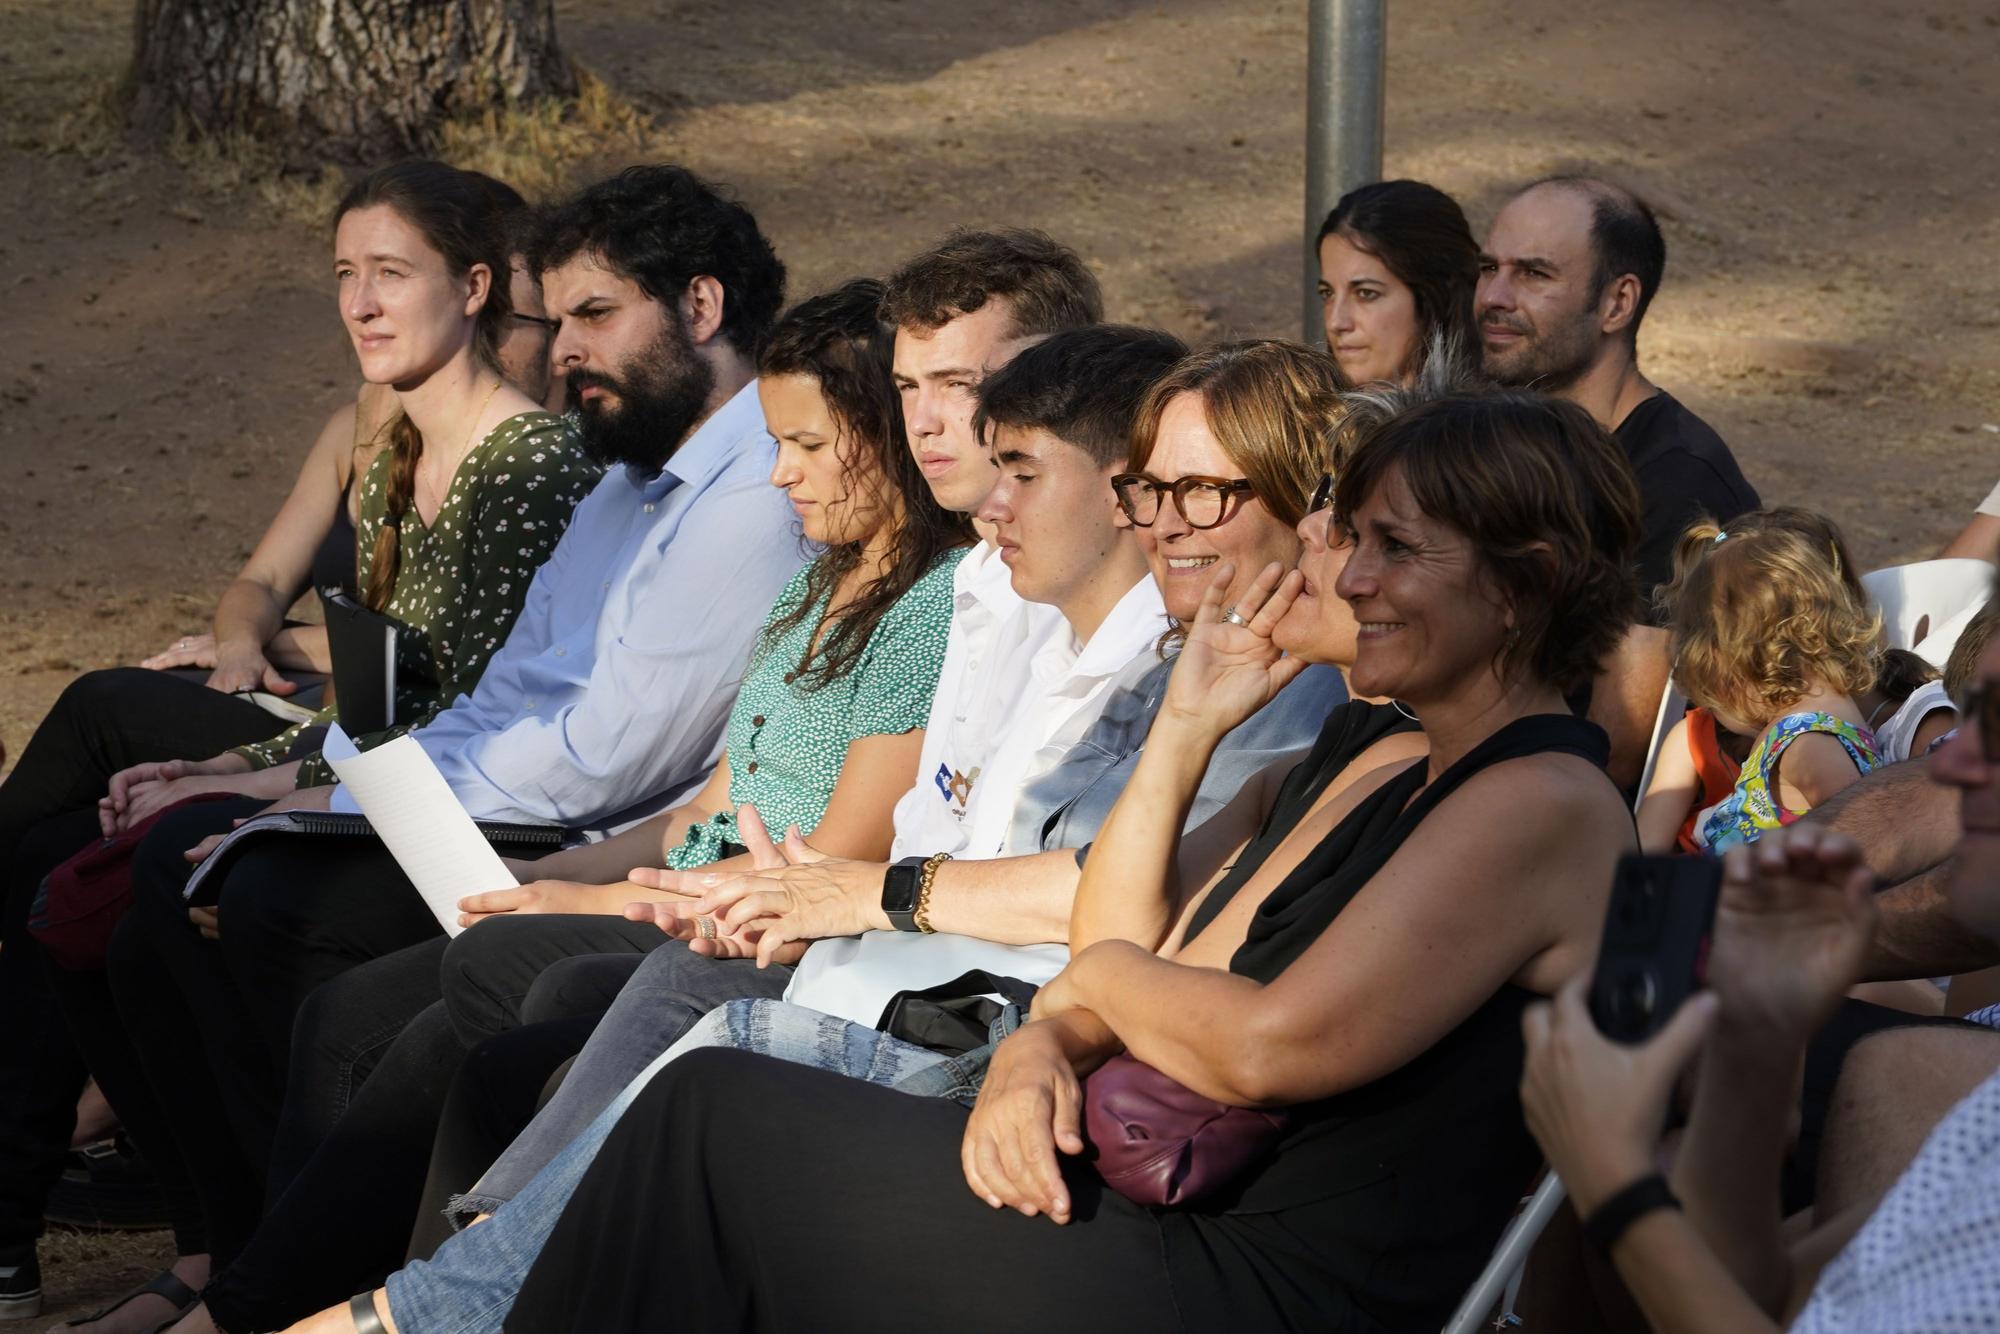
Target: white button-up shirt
(1016,692)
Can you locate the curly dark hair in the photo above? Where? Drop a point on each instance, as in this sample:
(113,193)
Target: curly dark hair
(663,226)
(840,340)
(1548,501)
(1046,283)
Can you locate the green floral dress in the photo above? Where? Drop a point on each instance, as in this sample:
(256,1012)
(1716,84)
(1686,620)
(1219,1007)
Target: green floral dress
(786,744)
(460,582)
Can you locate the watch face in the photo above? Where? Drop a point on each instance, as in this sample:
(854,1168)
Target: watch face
(899,888)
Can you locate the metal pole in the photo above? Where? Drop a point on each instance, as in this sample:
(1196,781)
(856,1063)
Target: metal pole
(1508,1257)
(1345,42)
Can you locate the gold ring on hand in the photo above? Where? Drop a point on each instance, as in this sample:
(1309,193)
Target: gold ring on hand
(1233,616)
(704,927)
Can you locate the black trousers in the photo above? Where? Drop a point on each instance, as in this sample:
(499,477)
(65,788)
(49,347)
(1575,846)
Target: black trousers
(104,722)
(740,1192)
(379,1046)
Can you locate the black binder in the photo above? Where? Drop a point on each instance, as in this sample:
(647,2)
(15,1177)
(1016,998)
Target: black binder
(509,840)
(363,645)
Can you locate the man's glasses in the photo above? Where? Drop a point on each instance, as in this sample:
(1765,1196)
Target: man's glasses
(1979,706)
(545,325)
(1204,502)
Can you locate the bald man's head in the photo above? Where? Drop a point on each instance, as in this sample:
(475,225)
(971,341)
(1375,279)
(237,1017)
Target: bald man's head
(1624,238)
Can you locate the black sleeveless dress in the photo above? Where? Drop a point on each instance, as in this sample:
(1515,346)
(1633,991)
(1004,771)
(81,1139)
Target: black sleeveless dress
(739,1192)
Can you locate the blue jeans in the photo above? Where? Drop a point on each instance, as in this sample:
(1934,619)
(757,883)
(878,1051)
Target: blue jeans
(471,1283)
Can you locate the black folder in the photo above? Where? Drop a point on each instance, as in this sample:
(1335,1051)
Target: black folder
(363,645)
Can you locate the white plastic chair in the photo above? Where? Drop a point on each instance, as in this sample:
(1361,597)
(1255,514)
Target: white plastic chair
(1919,599)
(1673,704)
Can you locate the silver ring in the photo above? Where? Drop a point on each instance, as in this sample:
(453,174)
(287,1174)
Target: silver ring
(1231,615)
(704,926)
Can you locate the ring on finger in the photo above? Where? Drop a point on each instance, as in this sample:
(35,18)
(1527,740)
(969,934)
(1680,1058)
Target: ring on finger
(1233,616)
(704,926)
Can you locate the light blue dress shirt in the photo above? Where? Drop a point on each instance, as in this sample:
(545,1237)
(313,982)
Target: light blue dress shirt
(608,700)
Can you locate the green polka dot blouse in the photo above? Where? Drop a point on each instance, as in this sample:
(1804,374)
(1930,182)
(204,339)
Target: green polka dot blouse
(460,582)
(786,744)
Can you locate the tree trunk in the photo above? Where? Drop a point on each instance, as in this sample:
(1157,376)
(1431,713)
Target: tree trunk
(355,80)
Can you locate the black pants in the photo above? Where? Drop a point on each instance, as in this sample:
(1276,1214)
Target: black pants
(104,722)
(345,1192)
(740,1192)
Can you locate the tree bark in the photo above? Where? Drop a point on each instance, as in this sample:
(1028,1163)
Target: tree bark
(355,80)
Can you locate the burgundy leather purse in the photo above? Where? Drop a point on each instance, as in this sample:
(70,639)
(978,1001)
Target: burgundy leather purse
(1160,1143)
(83,900)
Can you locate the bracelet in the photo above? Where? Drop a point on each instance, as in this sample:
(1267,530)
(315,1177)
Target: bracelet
(1612,1219)
(922,916)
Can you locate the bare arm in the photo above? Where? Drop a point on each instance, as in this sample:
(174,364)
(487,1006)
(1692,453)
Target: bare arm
(1904,822)
(253,606)
(1664,806)
(1979,539)
(1625,699)
(1418,949)
(1680,1284)
(860,816)
(1917,935)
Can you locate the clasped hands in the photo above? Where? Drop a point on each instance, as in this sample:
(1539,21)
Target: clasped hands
(792,895)
(1792,930)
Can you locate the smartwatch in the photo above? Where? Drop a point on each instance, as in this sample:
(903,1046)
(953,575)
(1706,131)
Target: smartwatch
(900,884)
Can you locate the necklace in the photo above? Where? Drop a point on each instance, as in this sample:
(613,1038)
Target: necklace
(1398,706)
(1870,724)
(471,435)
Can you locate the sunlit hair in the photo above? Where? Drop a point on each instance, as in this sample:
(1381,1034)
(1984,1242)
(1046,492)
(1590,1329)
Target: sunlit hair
(1273,406)
(1763,609)
(1545,498)
(839,340)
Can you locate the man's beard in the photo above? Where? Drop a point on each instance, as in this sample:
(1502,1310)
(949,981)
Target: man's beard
(1548,361)
(661,392)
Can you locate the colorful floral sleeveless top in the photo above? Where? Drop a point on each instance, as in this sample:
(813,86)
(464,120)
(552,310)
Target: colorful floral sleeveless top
(1753,809)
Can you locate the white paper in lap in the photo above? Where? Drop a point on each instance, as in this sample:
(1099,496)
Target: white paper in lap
(422,824)
(854,977)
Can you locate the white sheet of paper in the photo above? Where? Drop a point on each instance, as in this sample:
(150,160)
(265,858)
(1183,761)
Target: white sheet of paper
(423,825)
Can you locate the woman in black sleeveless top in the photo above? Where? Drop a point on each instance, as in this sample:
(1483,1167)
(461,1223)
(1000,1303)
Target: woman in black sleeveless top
(1369,981)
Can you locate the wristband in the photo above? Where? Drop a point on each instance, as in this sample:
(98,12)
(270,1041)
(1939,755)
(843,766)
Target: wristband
(1612,1219)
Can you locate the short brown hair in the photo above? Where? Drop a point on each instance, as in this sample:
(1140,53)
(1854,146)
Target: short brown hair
(1761,608)
(1045,282)
(1273,406)
(1517,472)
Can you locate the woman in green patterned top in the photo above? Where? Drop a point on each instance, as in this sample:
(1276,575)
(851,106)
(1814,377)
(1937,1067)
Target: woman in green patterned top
(477,483)
(829,719)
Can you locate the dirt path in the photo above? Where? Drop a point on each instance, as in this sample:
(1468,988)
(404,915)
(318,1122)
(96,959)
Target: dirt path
(1829,171)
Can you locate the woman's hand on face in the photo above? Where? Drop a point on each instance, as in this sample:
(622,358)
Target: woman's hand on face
(1227,671)
(1597,1106)
(1030,1106)
(244,667)
(1792,930)
(187,651)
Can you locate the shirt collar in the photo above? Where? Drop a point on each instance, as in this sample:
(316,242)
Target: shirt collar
(1134,625)
(982,579)
(712,447)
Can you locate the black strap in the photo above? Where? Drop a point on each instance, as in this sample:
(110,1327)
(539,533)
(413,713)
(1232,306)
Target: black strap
(1610,1220)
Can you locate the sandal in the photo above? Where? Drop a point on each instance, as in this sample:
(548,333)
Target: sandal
(165,1284)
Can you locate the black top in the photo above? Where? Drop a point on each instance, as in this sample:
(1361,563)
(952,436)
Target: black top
(1381,1203)
(1684,470)
(333,563)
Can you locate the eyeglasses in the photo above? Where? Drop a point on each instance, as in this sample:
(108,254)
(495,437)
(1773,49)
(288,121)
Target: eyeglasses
(1322,494)
(1204,502)
(547,326)
(1979,706)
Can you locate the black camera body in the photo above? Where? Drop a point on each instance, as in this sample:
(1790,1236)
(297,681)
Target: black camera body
(1655,949)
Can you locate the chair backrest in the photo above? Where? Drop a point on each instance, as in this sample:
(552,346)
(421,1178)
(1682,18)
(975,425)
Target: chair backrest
(1925,596)
(1672,705)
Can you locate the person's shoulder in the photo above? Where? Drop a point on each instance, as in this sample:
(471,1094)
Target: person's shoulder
(927,603)
(1549,795)
(1663,437)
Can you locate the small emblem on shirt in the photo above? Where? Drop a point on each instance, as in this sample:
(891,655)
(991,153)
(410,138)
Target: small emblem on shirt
(955,786)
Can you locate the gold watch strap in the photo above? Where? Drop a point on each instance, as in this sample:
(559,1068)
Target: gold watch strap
(922,916)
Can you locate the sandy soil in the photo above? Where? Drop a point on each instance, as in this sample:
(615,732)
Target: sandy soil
(1826,169)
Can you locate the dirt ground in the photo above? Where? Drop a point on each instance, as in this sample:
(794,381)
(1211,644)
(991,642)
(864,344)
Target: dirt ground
(1826,170)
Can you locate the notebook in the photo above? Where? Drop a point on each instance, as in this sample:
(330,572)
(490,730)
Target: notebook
(363,645)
